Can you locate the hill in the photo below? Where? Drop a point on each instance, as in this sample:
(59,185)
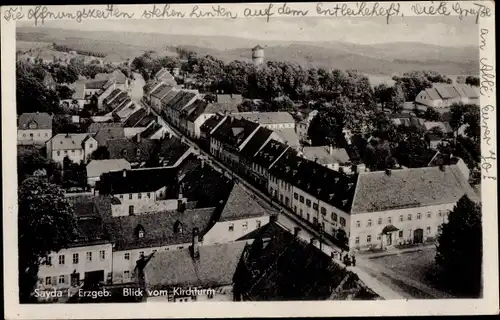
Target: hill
(378,59)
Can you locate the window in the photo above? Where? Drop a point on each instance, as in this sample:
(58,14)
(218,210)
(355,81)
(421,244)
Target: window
(231,227)
(428,230)
(126,274)
(419,216)
(148,195)
(440,213)
(65,151)
(58,153)
(73,151)
(91,145)
(141,253)
(61,280)
(295,209)
(89,256)
(401,233)
(401,218)
(46,134)
(258,223)
(308,203)
(409,217)
(140,234)
(102,255)
(245,225)
(389,219)
(61,259)
(334,217)
(75,258)
(121,196)
(357,240)
(429,215)
(342,222)
(315,206)
(48,280)
(379,237)
(369,238)
(130,196)
(323,211)
(126,256)
(302,199)
(301,212)
(295,196)
(139,196)
(379,221)
(358,224)
(131,210)
(369,224)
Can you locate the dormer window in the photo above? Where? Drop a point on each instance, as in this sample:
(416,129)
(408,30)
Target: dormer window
(139,231)
(124,152)
(32,125)
(178,228)
(141,234)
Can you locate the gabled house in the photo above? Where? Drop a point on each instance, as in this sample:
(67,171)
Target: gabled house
(165,77)
(121,80)
(443,96)
(265,158)
(270,120)
(34,128)
(76,146)
(158,94)
(256,143)
(332,158)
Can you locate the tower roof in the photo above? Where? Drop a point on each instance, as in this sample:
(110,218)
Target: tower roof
(257,47)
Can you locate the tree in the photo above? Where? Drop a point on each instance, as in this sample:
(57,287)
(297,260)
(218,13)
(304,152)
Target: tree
(74,175)
(472,81)
(101,153)
(64,74)
(431,114)
(460,250)
(382,94)
(64,92)
(32,95)
(45,224)
(397,98)
(461,114)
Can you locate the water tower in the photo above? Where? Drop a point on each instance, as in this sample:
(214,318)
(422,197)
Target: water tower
(258,55)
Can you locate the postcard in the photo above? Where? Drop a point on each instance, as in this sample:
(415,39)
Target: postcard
(262,160)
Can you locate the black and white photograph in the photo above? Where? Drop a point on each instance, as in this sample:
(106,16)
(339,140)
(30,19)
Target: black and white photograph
(202,156)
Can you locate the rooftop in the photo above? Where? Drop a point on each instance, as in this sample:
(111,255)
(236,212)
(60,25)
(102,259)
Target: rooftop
(234,131)
(416,187)
(105,134)
(326,154)
(111,96)
(69,141)
(164,228)
(289,136)
(269,153)
(199,107)
(229,98)
(227,107)
(267,117)
(211,123)
(97,167)
(183,101)
(240,205)
(42,120)
(256,142)
(95,127)
(445,91)
(215,266)
(135,118)
(96,84)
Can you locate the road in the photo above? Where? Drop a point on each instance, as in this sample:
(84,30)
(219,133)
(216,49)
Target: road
(136,91)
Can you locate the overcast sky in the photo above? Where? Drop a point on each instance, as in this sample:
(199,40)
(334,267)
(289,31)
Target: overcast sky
(447,31)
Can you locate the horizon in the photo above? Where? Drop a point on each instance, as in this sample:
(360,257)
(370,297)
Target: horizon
(446,31)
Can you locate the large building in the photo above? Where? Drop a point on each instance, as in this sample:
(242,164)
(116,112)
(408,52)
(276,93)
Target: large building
(270,120)
(34,128)
(76,146)
(443,96)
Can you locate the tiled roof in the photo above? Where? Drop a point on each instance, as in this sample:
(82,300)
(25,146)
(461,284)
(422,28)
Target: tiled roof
(441,91)
(267,117)
(199,109)
(256,142)
(150,131)
(467,91)
(158,228)
(128,149)
(240,205)
(164,75)
(79,88)
(211,123)
(323,156)
(96,84)
(168,98)
(122,96)
(83,205)
(110,133)
(150,85)
(90,230)
(289,136)
(158,90)
(127,110)
(146,121)
(234,131)
(111,96)
(96,126)
(269,153)
(139,180)
(97,167)
(135,118)
(171,101)
(418,187)
(229,98)
(230,107)
(280,267)
(43,120)
(71,141)
(215,266)
(432,93)
(168,151)
(183,101)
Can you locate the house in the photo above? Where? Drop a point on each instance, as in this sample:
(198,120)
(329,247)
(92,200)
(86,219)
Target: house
(88,258)
(404,206)
(229,98)
(209,126)
(434,139)
(76,146)
(278,265)
(256,143)
(270,120)
(127,109)
(194,118)
(158,94)
(150,86)
(118,99)
(156,131)
(332,158)
(265,158)
(49,82)
(96,168)
(34,128)
(165,77)
(440,159)
(114,94)
(241,215)
(230,138)
(195,273)
(104,134)
(302,127)
(288,136)
(176,109)
(97,90)
(122,82)
(443,96)
(77,100)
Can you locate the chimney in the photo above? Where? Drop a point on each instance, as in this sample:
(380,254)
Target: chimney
(296,232)
(195,245)
(388,171)
(138,137)
(330,149)
(124,173)
(273,218)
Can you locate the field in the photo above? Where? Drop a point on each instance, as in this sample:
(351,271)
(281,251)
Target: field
(27,45)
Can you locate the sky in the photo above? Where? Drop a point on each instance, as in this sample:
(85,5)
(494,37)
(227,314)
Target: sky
(446,31)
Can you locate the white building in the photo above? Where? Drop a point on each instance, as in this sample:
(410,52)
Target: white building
(96,168)
(443,96)
(76,146)
(270,120)
(34,128)
(332,158)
